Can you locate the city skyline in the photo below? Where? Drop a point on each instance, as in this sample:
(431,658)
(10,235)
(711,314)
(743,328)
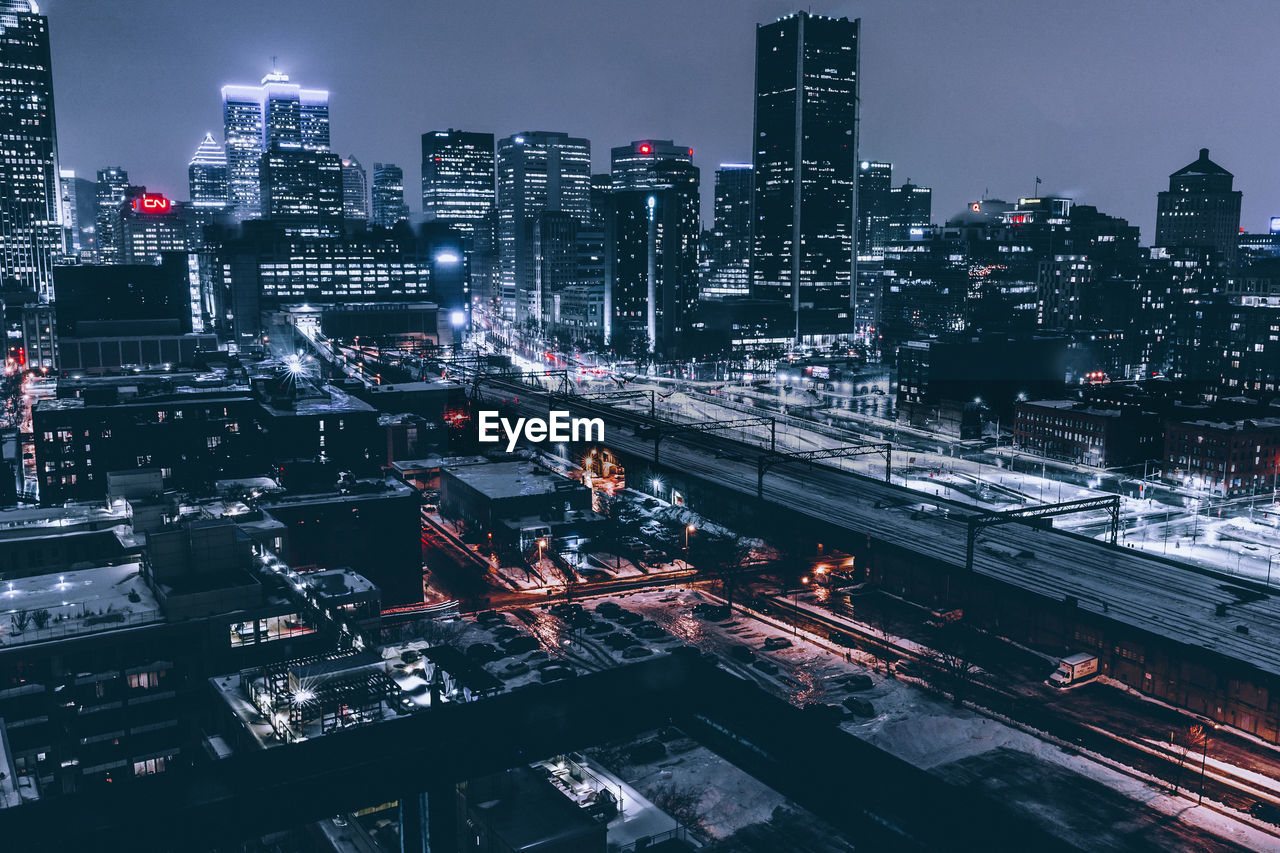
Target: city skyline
(1018,112)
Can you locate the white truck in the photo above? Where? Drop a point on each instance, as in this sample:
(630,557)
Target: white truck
(1073,669)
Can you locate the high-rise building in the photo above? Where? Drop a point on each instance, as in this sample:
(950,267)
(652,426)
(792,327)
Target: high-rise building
(208,183)
(646,162)
(806,126)
(601,187)
(69,212)
(31,237)
(148,225)
(910,207)
(536,171)
(302,190)
(113,185)
(1200,209)
(651,269)
(255,118)
(355,189)
(874,181)
(457,177)
(728,272)
(207,175)
(388,195)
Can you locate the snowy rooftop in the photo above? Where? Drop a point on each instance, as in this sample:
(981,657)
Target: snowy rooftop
(78,602)
(497,480)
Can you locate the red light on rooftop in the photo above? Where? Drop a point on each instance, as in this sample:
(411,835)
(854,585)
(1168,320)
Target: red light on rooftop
(646,148)
(691,154)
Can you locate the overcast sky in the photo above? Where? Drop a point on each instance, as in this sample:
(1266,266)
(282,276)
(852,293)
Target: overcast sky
(1100,99)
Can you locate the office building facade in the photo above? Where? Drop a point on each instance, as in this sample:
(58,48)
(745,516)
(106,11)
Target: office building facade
(355,189)
(1200,209)
(388,195)
(457,177)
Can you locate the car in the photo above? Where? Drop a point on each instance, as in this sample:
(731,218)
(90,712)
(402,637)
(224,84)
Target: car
(842,639)
(859,707)
(537,657)
(768,667)
(579,620)
(619,641)
(742,653)
(654,558)
(775,643)
(605,608)
(626,617)
(859,681)
(504,632)
(519,645)
(648,632)
(411,656)
(598,628)
(484,652)
(633,652)
(558,672)
(712,612)
(1265,812)
(514,668)
(490,617)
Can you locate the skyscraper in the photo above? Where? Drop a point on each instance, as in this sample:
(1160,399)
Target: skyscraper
(874,182)
(646,162)
(1200,209)
(536,171)
(806,126)
(388,195)
(31,235)
(457,177)
(302,190)
(910,208)
(730,246)
(355,189)
(207,175)
(276,112)
(113,185)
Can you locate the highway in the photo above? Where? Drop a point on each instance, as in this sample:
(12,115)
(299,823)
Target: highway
(1158,596)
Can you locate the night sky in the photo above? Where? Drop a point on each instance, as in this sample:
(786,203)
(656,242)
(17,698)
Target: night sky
(1100,99)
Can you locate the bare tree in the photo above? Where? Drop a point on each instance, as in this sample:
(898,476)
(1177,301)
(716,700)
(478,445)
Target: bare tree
(682,802)
(952,657)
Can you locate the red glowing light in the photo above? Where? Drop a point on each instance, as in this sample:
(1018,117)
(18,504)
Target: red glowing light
(151,203)
(646,148)
(690,152)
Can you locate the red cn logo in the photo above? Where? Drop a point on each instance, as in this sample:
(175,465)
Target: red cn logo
(151,203)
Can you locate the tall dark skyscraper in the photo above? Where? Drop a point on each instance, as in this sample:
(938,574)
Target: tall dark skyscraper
(647,162)
(730,247)
(537,171)
(457,177)
(31,235)
(113,186)
(255,118)
(805,153)
(874,182)
(208,184)
(355,189)
(910,207)
(302,190)
(1200,209)
(388,195)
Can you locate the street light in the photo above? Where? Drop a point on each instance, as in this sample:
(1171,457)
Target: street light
(795,605)
(689,528)
(542,543)
(1204,754)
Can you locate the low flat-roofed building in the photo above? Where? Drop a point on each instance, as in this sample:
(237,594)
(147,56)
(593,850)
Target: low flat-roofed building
(483,495)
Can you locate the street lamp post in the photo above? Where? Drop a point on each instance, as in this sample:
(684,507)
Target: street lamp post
(795,605)
(542,543)
(688,528)
(1204,755)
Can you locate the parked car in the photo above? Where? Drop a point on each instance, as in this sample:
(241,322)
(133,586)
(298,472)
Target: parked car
(598,628)
(633,652)
(514,668)
(775,643)
(859,682)
(607,608)
(626,617)
(860,707)
(411,656)
(619,641)
(519,645)
(742,653)
(768,667)
(484,652)
(558,672)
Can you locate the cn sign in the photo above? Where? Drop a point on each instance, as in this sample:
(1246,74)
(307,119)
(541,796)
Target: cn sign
(151,203)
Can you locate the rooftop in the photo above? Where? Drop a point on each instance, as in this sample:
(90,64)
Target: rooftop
(84,601)
(498,480)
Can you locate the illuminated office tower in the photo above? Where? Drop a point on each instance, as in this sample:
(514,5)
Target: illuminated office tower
(806,125)
(874,186)
(910,209)
(255,118)
(536,171)
(207,175)
(355,189)
(113,186)
(647,163)
(730,246)
(302,190)
(457,177)
(388,195)
(1200,209)
(31,236)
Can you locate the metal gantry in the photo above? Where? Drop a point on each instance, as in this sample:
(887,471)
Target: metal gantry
(977,522)
(610,397)
(664,429)
(846,451)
